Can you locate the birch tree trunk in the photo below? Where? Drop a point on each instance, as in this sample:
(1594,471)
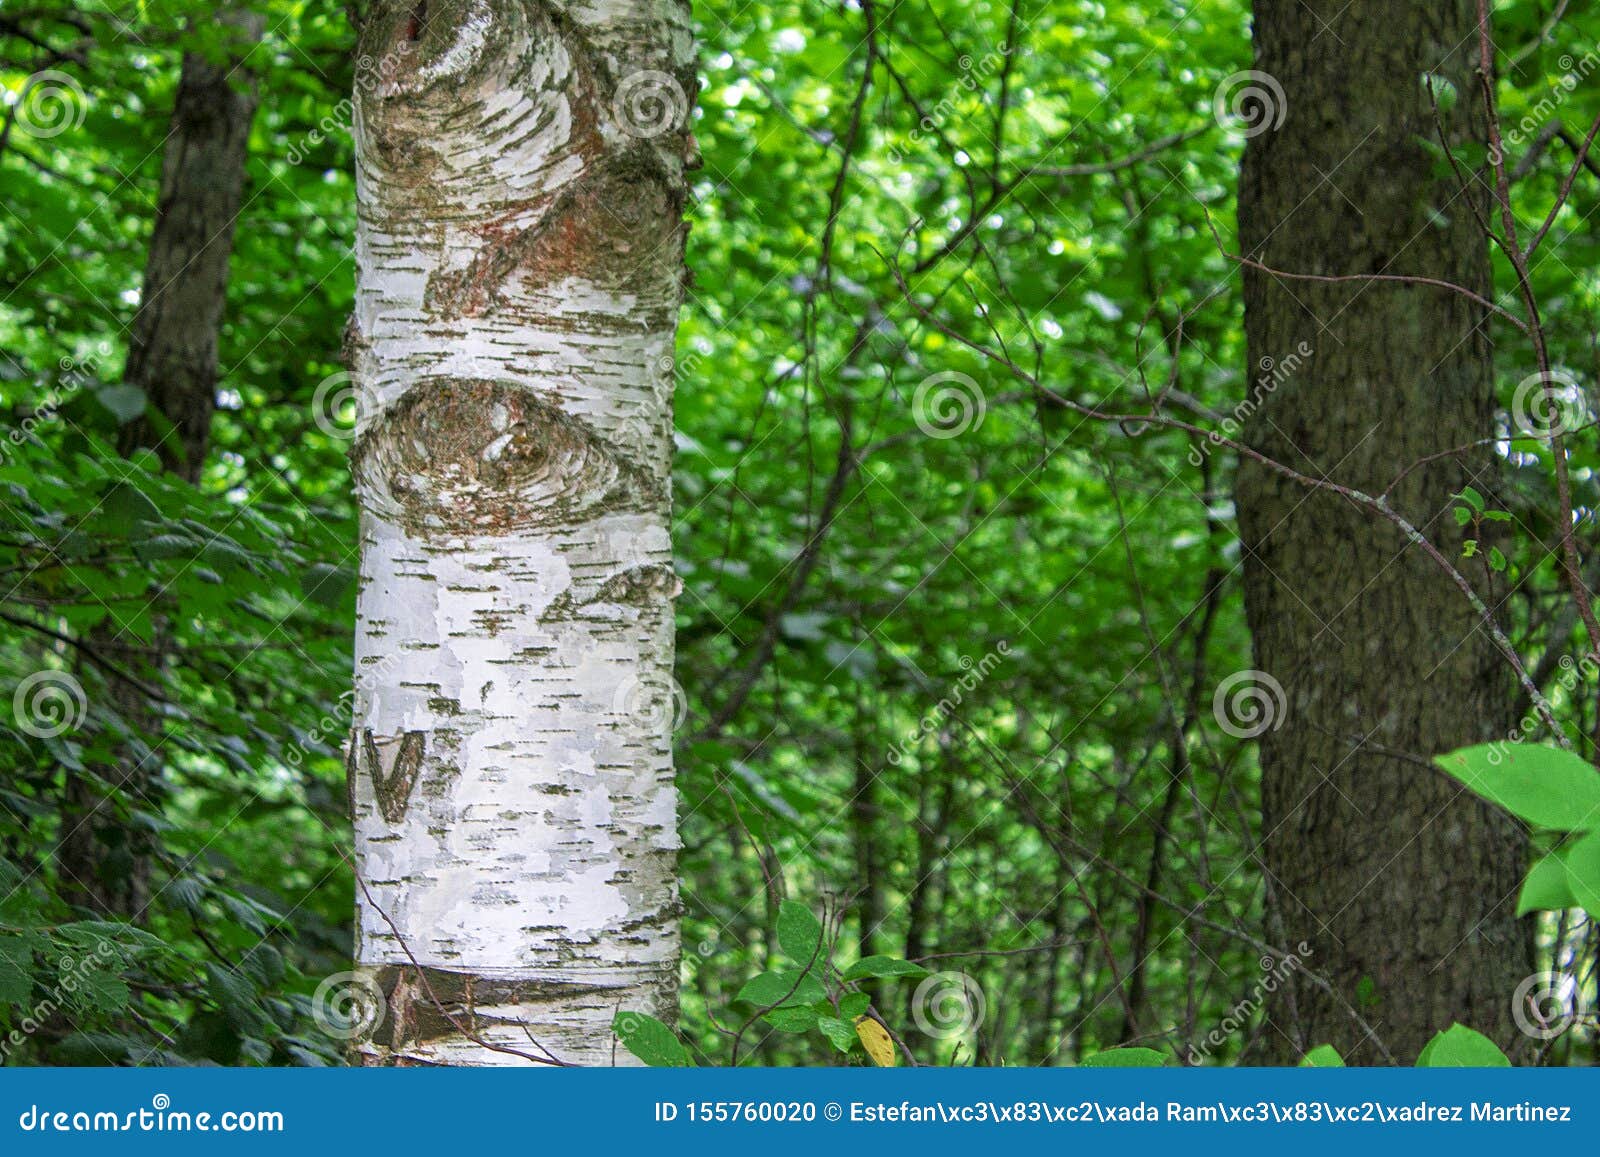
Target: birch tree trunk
(520,265)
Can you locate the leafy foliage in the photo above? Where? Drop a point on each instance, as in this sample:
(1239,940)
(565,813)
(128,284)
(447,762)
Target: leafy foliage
(950,685)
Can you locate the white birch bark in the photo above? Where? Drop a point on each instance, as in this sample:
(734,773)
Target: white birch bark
(520,263)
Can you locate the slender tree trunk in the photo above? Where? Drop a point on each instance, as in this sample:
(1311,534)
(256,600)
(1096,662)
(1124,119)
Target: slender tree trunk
(520,247)
(172,357)
(870,907)
(1402,887)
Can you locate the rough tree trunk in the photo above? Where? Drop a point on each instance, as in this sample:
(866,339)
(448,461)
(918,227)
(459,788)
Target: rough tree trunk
(172,357)
(520,248)
(1403,887)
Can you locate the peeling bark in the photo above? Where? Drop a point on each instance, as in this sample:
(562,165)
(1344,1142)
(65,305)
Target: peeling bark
(520,251)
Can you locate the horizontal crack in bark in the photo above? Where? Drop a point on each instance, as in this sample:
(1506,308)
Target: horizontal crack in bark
(426,1003)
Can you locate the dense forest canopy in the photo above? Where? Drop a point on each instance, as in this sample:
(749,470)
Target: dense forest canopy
(985,357)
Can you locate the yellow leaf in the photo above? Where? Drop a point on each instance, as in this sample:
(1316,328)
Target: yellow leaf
(875,1039)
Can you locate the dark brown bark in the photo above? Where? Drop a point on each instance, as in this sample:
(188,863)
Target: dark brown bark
(172,356)
(1402,886)
(870,912)
(104,860)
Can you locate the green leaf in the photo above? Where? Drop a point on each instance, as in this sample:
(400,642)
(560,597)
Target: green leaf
(16,968)
(1546,786)
(1582,861)
(802,1019)
(1322,1057)
(101,991)
(325,585)
(1462,515)
(1471,497)
(1546,888)
(882,966)
(235,996)
(854,1004)
(126,504)
(841,1032)
(1441,92)
(1129,1058)
(784,988)
(799,933)
(1459,1047)
(651,1041)
(1497,560)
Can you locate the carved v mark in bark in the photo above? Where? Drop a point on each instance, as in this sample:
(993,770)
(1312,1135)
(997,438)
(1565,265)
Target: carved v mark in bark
(393,762)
